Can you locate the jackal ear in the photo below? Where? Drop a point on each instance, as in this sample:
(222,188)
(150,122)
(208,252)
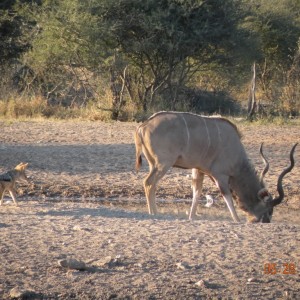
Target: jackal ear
(264,195)
(21,166)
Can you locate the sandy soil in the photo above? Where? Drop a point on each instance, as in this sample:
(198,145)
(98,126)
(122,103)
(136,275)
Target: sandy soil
(82,230)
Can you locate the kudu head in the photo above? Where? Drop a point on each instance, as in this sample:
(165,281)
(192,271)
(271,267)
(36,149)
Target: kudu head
(263,194)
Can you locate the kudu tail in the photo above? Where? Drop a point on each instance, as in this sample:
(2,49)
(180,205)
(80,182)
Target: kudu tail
(138,150)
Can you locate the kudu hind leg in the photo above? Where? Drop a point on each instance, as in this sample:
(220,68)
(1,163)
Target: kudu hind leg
(150,189)
(150,184)
(197,184)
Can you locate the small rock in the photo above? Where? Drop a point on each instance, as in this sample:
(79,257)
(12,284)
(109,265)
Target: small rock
(201,283)
(251,280)
(102,262)
(286,294)
(73,273)
(19,293)
(71,263)
(117,261)
(109,261)
(183,265)
(77,227)
(16,293)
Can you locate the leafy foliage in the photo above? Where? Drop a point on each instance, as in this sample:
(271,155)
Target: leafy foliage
(148,55)
(12,36)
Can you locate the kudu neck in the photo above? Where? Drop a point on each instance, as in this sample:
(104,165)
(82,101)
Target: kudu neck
(246,185)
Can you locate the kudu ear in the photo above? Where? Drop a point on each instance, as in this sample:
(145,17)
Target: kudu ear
(264,195)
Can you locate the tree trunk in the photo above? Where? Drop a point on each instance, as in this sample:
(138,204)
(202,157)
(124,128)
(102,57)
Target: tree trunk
(117,86)
(253,107)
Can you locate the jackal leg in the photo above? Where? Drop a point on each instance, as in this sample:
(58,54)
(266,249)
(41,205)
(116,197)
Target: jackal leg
(197,184)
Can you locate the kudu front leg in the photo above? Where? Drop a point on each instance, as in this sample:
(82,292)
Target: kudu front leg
(1,196)
(197,184)
(229,202)
(222,183)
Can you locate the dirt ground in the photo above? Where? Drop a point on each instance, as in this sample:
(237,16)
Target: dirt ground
(81,230)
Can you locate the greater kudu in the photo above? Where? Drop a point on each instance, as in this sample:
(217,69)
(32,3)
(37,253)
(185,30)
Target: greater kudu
(210,146)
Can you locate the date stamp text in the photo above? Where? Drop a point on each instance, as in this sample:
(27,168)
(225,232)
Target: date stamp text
(284,268)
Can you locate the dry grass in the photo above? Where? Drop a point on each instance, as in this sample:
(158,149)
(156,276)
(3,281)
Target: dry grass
(37,108)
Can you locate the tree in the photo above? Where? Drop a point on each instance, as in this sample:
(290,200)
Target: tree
(12,41)
(165,42)
(275,28)
(160,43)
(64,52)
(150,52)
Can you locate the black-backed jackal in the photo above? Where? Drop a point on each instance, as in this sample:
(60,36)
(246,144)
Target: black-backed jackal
(8,181)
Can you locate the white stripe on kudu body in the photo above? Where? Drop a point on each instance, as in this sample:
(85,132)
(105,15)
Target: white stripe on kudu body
(209,146)
(208,139)
(187,130)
